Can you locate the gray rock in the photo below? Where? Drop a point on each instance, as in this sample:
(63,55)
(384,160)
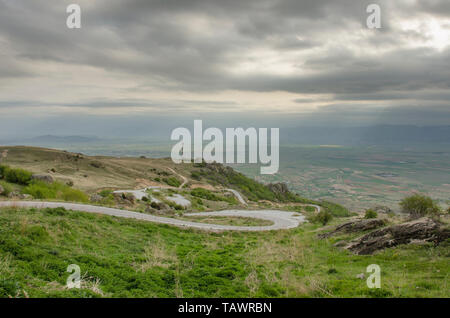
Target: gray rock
(125,198)
(25,196)
(280,188)
(360,276)
(355,226)
(96,198)
(42,177)
(13,194)
(340,243)
(424,229)
(382,209)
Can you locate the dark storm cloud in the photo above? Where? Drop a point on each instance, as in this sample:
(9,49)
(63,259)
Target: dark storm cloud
(192,45)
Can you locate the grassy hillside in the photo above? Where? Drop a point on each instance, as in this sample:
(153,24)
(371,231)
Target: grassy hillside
(128,258)
(93,172)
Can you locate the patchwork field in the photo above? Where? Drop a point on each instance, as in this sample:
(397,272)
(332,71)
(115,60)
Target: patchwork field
(362,177)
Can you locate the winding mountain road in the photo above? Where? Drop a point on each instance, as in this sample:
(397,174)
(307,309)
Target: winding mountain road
(281,219)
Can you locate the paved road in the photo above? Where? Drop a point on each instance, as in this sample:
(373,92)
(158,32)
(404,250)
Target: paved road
(281,219)
(238,196)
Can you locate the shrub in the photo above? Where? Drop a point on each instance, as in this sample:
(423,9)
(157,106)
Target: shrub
(419,205)
(3,168)
(19,176)
(323,217)
(370,214)
(105,193)
(155,205)
(335,209)
(172,181)
(55,190)
(196,175)
(204,194)
(208,195)
(7,189)
(175,206)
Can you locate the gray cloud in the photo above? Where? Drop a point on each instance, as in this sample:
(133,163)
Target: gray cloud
(200,46)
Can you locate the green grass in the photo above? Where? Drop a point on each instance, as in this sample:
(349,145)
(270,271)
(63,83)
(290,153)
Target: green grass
(15,175)
(227,220)
(335,209)
(7,187)
(209,195)
(130,258)
(55,190)
(218,174)
(172,181)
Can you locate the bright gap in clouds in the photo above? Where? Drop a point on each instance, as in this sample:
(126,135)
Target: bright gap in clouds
(436,32)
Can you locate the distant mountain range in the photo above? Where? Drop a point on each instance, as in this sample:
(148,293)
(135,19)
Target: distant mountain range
(373,135)
(376,135)
(52,139)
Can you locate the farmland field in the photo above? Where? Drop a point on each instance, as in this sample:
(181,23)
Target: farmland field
(362,177)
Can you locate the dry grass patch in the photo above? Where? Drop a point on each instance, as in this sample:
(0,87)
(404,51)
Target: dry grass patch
(157,254)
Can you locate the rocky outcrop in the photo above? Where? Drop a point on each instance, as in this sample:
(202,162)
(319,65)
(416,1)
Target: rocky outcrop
(42,177)
(355,226)
(124,198)
(420,230)
(278,188)
(96,198)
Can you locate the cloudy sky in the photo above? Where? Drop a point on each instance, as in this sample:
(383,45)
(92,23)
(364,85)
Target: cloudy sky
(269,63)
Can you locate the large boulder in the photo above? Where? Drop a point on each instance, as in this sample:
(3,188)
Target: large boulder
(96,198)
(42,177)
(355,226)
(13,194)
(420,230)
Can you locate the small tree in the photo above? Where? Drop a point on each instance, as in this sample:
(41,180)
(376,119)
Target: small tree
(370,214)
(419,205)
(323,217)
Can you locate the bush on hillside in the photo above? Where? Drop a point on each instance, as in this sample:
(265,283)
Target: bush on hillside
(370,214)
(323,217)
(55,190)
(335,209)
(16,175)
(209,195)
(7,189)
(419,205)
(172,181)
(2,171)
